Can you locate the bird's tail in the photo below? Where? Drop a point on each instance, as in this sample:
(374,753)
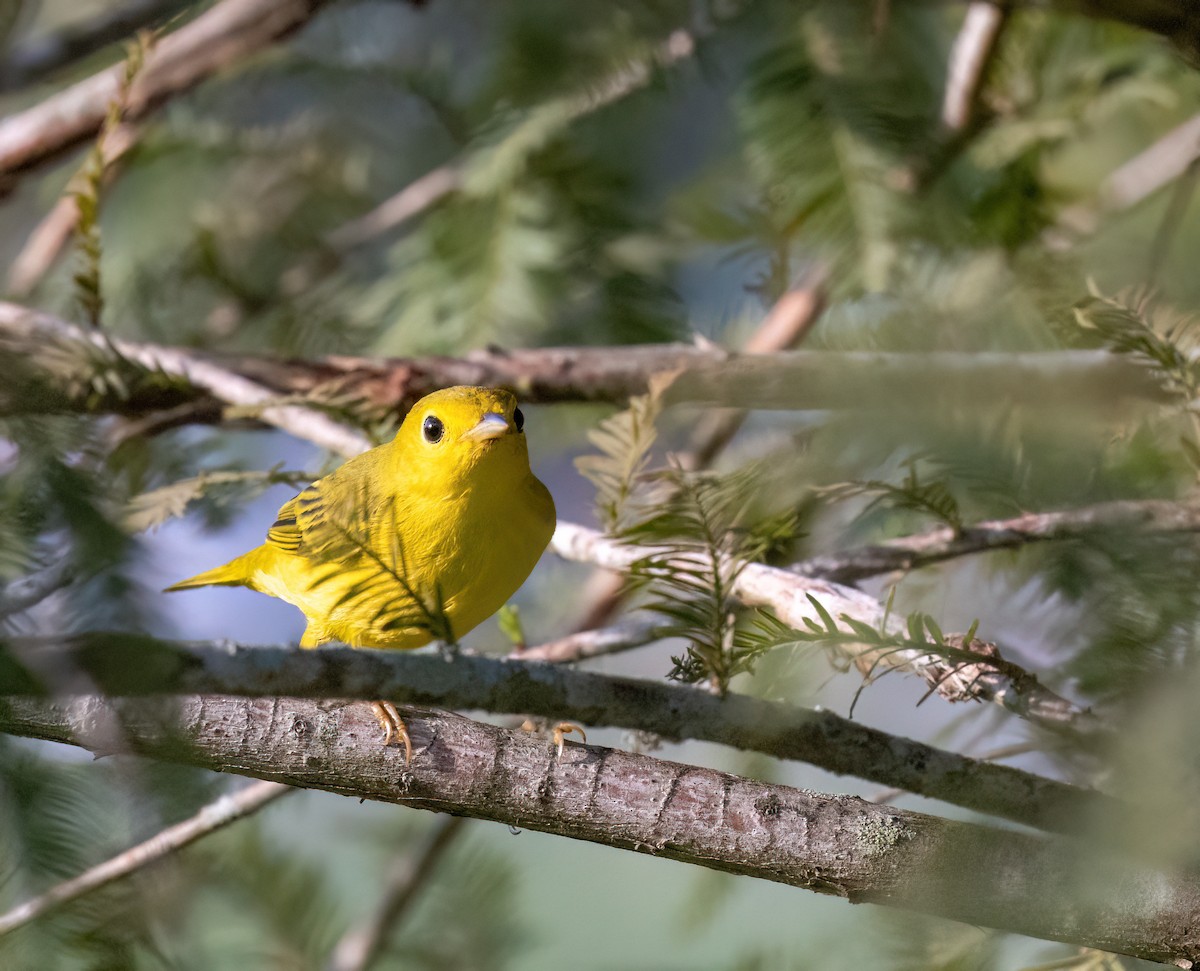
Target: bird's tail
(232,574)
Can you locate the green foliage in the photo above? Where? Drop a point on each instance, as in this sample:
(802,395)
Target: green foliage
(151,509)
(928,497)
(618,472)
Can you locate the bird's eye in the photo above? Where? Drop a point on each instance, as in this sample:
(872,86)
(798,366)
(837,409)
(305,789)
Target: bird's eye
(519,420)
(433,429)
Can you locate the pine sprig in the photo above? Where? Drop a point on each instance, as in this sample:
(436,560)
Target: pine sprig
(88,184)
(151,509)
(848,635)
(702,537)
(931,497)
(619,472)
(1162,341)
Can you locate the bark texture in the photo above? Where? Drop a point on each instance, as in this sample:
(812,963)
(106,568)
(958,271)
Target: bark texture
(120,664)
(1049,888)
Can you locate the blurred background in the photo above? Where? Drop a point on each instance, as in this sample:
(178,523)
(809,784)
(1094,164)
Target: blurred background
(622,173)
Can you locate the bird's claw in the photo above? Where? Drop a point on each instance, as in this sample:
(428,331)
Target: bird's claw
(558,733)
(563,729)
(393,727)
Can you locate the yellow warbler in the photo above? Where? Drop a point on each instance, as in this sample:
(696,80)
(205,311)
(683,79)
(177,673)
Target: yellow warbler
(423,537)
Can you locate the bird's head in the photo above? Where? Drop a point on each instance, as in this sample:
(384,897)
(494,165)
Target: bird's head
(457,432)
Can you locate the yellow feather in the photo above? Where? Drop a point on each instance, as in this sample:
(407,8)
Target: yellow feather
(444,522)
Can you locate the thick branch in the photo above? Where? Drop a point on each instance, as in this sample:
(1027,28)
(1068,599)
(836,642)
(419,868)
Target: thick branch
(1145,517)
(834,845)
(126,664)
(788,594)
(1095,380)
(229,32)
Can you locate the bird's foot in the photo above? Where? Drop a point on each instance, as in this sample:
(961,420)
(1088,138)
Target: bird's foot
(393,727)
(558,732)
(449,650)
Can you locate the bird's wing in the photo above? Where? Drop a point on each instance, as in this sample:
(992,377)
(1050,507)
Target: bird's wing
(330,517)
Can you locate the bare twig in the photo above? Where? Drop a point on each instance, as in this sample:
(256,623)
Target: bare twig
(1145,517)
(35,59)
(791,596)
(785,326)
(216,815)
(126,664)
(431,188)
(1060,889)
(359,947)
(579,646)
(1142,176)
(970,59)
(219,37)
(51,236)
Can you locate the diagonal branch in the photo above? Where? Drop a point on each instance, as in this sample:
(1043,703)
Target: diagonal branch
(216,815)
(126,664)
(205,376)
(1145,517)
(35,59)
(223,35)
(790,596)
(361,945)
(829,844)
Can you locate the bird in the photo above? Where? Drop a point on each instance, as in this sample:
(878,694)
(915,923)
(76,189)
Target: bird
(420,539)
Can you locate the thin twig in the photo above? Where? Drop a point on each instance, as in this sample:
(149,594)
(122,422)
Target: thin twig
(1142,176)
(970,58)
(597,642)
(223,35)
(50,237)
(216,815)
(420,195)
(1144,517)
(362,944)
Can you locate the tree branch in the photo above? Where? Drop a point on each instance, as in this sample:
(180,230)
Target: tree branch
(361,945)
(1049,888)
(216,815)
(204,375)
(788,595)
(127,664)
(35,59)
(1095,380)
(223,35)
(1145,517)
(970,59)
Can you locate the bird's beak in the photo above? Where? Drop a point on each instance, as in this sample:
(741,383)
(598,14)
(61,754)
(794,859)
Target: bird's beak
(490,426)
